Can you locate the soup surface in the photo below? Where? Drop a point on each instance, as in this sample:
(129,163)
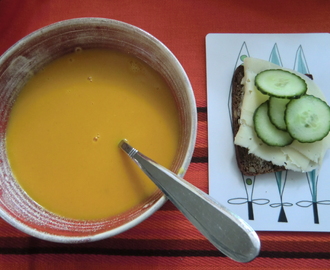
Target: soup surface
(64,129)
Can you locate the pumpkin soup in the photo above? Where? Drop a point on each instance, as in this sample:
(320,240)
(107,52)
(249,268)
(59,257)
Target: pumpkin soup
(64,129)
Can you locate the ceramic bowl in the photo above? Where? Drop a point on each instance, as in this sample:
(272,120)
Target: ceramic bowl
(34,51)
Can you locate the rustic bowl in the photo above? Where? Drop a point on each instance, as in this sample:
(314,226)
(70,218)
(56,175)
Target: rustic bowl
(30,54)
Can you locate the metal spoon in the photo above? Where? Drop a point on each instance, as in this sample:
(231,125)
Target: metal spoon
(225,230)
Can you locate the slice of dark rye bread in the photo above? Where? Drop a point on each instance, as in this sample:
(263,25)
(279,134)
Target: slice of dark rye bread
(249,164)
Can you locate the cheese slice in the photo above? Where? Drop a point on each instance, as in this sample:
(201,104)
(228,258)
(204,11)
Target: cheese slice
(302,157)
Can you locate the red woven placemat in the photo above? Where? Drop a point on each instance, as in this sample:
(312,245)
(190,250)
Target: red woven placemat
(167,240)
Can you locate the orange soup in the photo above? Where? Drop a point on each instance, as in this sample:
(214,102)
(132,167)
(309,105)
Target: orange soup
(64,129)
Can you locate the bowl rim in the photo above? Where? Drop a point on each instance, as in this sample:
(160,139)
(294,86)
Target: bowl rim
(186,160)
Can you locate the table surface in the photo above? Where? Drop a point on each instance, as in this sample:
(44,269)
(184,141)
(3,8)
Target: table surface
(167,240)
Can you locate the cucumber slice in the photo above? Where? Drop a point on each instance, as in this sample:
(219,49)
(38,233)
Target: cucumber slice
(266,131)
(276,111)
(308,119)
(280,83)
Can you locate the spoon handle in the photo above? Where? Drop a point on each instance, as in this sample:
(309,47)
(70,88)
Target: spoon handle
(226,231)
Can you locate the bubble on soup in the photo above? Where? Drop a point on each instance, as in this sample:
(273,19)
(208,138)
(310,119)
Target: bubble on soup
(78,50)
(96,138)
(134,66)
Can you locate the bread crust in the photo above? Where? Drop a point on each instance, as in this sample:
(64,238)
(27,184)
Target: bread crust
(248,164)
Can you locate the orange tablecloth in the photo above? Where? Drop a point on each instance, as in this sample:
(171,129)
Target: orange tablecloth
(167,240)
